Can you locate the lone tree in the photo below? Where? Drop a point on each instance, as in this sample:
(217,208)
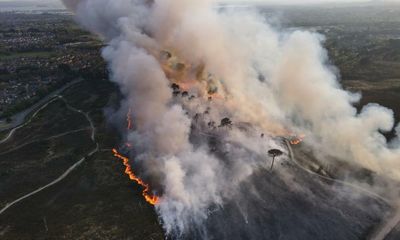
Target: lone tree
(225,122)
(274,153)
(175,87)
(185,94)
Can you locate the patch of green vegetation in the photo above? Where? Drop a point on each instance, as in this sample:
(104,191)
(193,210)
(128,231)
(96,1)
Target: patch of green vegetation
(97,201)
(3,134)
(56,118)
(26,103)
(90,95)
(38,54)
(378,60)
(39,163)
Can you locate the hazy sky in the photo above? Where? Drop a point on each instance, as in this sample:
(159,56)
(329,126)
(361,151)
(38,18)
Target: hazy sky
(305,1)
(249,1)
(242,1)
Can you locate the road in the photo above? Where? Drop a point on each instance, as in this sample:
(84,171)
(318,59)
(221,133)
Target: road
(64,175)
(81,112)
(11,133)
(387,226)
(45,139)
(70,169)
(19,118)
(368,192)
(293,159)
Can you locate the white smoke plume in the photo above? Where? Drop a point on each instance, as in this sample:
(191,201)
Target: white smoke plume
(268,82)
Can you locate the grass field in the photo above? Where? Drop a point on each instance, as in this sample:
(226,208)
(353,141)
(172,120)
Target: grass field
(38,54)
(97,201)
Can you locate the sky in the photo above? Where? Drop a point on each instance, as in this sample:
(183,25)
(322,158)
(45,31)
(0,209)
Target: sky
(238,1)
(298,2)
(245,2)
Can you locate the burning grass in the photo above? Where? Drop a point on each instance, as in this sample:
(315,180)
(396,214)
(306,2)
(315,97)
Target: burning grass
(150,198)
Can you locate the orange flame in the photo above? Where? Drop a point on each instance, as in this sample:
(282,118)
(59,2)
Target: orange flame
(129,119)
(298,139)
(295,141)
(216,96)
(152,199)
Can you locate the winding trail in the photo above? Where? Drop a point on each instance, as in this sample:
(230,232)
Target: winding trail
(81,112)
(19,118)
(370,193)
(387,226)
(44,139)
(11,133)
(70,169)
(64,175)
(293,159)
(42,104)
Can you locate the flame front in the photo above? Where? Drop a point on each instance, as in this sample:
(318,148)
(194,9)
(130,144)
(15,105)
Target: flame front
(152,199)
(297,140)
(129,119)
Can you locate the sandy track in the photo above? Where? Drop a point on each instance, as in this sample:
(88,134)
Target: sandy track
(70,169)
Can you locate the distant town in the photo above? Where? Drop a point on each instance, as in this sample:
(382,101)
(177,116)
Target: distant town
(38,54)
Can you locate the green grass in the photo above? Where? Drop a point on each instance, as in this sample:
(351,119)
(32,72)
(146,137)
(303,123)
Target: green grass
(37,54)
(39,163)
(3,134)
(97,201)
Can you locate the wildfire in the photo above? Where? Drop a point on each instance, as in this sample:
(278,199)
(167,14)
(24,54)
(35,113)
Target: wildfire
(216,96)
(297,139)
(129,119)
(152,199)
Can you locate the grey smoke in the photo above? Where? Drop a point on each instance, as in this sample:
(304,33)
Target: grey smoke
(300,94)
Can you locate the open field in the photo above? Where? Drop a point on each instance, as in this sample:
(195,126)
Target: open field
(42,54)
(97,201)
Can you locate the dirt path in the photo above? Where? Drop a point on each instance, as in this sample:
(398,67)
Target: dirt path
(368,192)
(70,169)
(387,226)
(44,139)
(64,175)
(19,118)
(11,133)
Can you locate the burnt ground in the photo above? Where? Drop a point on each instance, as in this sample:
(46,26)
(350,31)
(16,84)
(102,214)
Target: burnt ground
(290,203)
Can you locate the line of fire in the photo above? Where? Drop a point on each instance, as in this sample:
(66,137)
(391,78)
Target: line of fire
(181,83)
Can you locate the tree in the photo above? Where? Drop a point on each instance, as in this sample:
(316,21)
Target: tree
(185,94)
(274,153)
(211,124)
(175,87)
(225,122)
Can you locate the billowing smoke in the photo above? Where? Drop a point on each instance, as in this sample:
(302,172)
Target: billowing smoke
(226,64)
